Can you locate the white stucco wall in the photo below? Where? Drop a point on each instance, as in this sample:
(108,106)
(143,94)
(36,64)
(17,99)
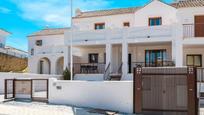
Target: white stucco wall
(186,15)
(113,95)
(50,40)
(156,9)
(111,22)
(33,62)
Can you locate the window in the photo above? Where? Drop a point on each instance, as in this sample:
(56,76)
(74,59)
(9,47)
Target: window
(155,21)
(155,58)
(32,51)
(93,58)
(194,60)
(99,26)
(126,24)
(38,42)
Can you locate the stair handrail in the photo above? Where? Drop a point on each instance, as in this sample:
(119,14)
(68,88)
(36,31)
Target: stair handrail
(120,69)
(106,75)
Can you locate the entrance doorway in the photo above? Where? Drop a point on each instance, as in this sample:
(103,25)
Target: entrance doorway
(155,58)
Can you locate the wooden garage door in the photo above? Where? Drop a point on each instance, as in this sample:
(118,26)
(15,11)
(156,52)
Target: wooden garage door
(199,26)
(165,91)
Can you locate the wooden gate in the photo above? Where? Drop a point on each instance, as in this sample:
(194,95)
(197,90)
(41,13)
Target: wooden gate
(165,91)
(33,89)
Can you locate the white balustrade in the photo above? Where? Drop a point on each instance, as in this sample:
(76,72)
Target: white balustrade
(117,34)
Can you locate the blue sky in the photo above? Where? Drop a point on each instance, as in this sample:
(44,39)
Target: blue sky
(23,17)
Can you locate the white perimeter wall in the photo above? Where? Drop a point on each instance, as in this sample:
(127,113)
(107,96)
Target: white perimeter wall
(110,95)
(89,77)
(4,76)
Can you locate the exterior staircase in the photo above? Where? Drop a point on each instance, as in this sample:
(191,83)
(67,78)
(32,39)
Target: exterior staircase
(113,76)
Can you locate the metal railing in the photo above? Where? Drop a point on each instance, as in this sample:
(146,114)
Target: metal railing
(88,68)
(193,30)
(106,75)
(146,64)
(120,69)
(152,64)
(15,53)
(200,74)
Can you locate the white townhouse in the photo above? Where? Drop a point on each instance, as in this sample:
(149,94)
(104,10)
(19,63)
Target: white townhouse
(8,49)
(110,43)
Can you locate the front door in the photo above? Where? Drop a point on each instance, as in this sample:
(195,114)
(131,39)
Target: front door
(154,58)
(199,26)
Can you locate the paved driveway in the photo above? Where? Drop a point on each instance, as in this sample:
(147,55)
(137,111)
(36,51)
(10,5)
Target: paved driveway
(37,108)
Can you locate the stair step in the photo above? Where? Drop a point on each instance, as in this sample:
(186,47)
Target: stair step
(115,77)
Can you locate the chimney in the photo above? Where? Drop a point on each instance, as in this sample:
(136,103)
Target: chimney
(78,12)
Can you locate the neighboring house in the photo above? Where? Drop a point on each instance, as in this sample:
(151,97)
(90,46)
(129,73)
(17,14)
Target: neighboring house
(7,49)
(113,42)
(46,51)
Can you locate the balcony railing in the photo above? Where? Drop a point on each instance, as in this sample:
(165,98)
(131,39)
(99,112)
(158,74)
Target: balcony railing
(89,68)
(193,30)
(116,34)
(49,49)
(153,64)
(158,64)
(16,53)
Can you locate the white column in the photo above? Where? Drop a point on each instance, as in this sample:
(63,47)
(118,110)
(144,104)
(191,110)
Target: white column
(53,67)
(125,59)
(177,52)
(177,45)
(66,57)
(108,55)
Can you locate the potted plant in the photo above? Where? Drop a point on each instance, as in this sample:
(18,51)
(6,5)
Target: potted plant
(67,74)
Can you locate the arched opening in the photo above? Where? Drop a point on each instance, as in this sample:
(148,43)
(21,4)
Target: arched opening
(60,66)
(44,66)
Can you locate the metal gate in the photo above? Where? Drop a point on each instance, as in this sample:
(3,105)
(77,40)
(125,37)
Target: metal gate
(33,89)
(9,89)
(165,91)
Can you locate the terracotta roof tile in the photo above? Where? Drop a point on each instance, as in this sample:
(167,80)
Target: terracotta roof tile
(188,3)
(107,12)
(180,4)
(49,31)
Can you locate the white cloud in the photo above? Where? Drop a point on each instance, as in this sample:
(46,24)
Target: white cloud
(4,10)
(55,12)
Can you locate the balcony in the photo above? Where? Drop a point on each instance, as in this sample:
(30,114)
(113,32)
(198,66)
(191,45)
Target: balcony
(89,68)
(138,33)
(49,50)
(193,31)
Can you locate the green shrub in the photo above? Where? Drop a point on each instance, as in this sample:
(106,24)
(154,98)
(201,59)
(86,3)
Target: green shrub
(67,74)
